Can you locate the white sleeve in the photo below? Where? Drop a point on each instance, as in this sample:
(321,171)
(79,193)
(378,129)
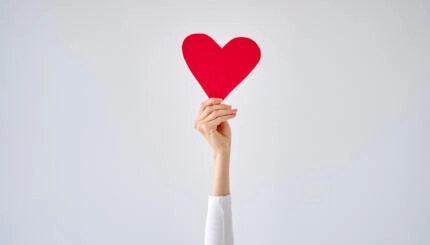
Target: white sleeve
(219,229)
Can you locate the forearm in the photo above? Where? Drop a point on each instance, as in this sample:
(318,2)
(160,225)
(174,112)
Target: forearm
(219,227)
(221,174)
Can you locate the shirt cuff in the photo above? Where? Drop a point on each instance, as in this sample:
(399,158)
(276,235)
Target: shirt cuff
(224,201)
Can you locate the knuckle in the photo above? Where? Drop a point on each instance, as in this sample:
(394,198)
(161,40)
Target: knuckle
(208,110)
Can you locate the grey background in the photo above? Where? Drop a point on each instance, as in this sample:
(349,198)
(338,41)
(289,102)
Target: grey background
(330,145)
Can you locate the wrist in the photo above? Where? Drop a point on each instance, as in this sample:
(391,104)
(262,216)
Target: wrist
(222,149)
(222,158)
(221,154)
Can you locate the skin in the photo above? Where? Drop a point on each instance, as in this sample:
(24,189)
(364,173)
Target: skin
(212,123)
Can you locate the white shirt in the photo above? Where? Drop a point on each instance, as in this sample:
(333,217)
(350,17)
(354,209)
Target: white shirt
(219,229)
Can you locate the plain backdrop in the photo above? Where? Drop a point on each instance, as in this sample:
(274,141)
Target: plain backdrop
(331,144)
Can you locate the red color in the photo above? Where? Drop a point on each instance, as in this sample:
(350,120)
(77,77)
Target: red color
(220,70)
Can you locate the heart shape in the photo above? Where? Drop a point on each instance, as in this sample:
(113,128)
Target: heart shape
(219,70)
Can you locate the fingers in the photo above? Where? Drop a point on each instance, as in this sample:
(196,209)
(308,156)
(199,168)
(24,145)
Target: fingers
(210,109)
(212,113)
(219,113)
(220,120)
(212,101)
(208,102)
(215,119)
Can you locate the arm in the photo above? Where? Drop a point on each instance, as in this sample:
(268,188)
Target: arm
(219,227)
(212,123)
(221,174)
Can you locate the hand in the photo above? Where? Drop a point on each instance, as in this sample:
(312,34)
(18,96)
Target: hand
(212,123)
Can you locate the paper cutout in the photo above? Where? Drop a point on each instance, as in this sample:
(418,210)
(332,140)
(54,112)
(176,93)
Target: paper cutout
(220,70)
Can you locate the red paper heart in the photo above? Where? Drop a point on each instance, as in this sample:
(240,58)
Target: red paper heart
(219,70)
